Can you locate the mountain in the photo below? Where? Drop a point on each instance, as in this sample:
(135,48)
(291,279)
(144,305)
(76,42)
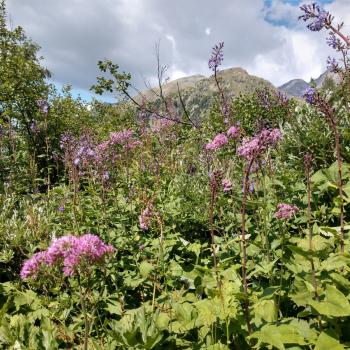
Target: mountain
(297,87)
(198,92)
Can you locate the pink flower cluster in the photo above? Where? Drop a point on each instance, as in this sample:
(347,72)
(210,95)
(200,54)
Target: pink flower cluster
(145,219)
(227,185)
(233,132)
(68,253)
(219,141)
(286,211)
(252,148)
(120,137)
(160,125)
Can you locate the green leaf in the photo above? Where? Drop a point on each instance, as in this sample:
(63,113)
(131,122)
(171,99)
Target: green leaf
(146,268)
(326,342)
(335,303)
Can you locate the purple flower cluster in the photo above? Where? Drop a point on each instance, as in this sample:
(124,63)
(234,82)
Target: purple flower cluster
(317,16)
(216,57)
(69,253)
(286,211)
(309,95)
(84,154)
(233,132)
(219,141)
(254,147)
(120,137)
(332,65)
(227,185)
(145,219)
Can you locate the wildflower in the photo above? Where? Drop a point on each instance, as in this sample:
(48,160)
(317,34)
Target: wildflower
(332,65)
(61,209)
(332,41)
(286,211)
(219,141)
(69,253)
(162,124)
(87,250)
(145,218)
(252,148)
(217,57)
(319,18)
(120,137)
(33,266)
(227,185)
(233,132)
(309,95)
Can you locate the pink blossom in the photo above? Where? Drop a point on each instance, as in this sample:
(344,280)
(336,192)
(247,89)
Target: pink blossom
(227,185)
(159,125)
(60,248)
(32,266)
(120,137)
(233,132)
(255,146)
(69,253)
(133,144)
(88,249)
(145,218)
(219,141)
(286,211)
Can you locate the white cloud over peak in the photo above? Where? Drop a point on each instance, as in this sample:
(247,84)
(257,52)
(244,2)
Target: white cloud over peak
(267,41)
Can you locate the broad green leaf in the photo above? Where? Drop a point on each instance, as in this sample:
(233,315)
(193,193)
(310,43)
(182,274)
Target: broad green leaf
(146,268)
(326,342)
(335,303)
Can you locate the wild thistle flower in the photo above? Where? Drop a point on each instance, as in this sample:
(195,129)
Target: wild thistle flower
(286,211)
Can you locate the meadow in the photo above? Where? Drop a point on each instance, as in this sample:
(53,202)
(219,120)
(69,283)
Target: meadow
(139,226)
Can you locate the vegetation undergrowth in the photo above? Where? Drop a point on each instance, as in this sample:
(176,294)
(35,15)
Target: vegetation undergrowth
(138,226)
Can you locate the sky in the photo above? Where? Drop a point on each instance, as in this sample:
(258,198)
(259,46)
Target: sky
(262,36)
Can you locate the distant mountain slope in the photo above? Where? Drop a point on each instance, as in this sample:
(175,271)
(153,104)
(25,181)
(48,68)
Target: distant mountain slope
(198,92)
(297,87)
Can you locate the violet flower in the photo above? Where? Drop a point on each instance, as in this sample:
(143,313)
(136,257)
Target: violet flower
(216,57)
(309,95)
(286,211)
(316,15)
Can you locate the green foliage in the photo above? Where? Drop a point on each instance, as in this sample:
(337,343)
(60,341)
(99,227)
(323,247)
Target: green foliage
(178,283)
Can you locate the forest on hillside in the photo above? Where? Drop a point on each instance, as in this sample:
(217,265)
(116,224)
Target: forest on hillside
(138,225)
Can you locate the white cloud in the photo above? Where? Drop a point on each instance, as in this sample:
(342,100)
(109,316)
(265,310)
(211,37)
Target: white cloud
(75,34)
